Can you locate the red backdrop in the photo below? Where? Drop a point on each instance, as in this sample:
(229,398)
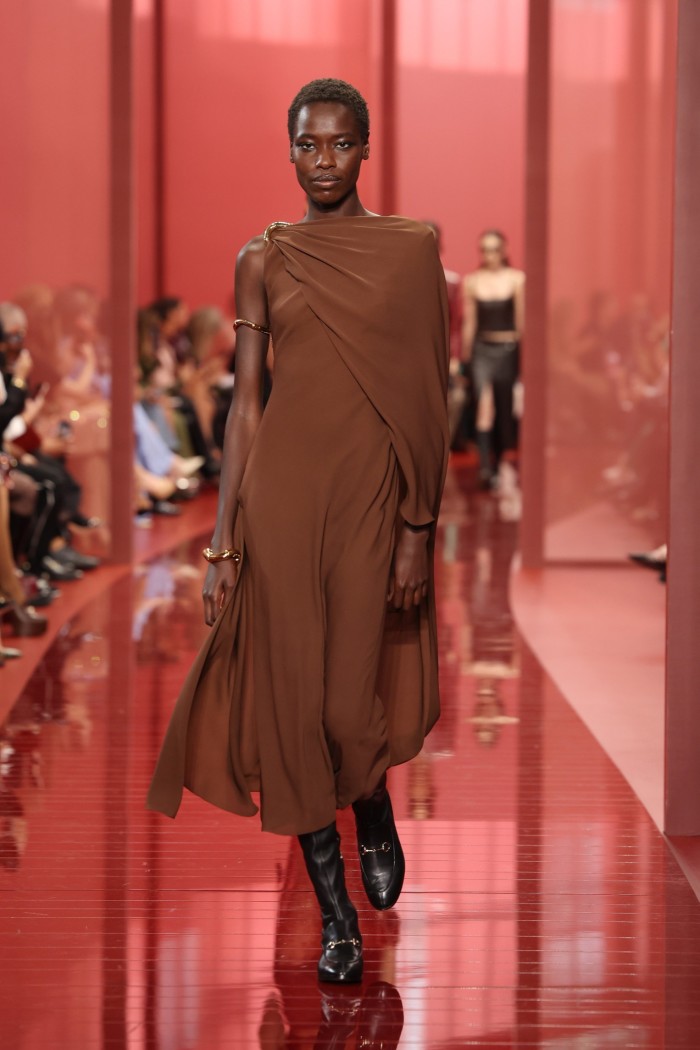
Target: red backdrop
(231,67)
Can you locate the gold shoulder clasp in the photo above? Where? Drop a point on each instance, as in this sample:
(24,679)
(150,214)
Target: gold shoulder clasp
(274,226)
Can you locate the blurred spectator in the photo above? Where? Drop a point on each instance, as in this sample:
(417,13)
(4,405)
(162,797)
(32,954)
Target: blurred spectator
(41,458)
(172,357)
(14,607)
(160,473)
(206,371)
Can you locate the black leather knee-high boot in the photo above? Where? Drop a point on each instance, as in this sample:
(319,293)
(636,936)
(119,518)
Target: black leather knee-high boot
(381,857)
(484,448)
(341,958)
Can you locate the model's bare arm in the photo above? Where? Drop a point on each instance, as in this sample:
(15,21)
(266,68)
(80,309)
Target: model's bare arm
(519,296)
(243,418)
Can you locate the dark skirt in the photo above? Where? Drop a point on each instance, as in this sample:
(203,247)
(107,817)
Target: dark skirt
(498,365)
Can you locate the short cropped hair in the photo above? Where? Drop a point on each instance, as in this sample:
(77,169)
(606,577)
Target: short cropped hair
(328,89)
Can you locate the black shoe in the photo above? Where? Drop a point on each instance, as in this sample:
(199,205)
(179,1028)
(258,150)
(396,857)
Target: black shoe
(38,591)
(44,596)
(341,958)
(55,571)
(381,857)
(70,558)
(167,510)
(648,561)
(86,523)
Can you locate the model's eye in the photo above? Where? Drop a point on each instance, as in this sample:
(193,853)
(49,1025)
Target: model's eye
(344,145)
(305,146)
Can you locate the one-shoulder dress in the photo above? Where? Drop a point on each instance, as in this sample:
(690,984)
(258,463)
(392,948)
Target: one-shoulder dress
(308,686)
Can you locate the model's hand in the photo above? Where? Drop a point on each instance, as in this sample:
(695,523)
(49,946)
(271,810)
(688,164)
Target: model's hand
(218,585)
(408,584)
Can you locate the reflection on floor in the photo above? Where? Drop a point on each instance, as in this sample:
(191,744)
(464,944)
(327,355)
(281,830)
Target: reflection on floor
(541,908)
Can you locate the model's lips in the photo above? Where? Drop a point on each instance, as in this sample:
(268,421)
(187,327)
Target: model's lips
(326,179)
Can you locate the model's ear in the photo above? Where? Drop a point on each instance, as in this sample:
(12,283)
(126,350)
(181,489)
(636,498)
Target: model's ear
(365,151)
(291,158)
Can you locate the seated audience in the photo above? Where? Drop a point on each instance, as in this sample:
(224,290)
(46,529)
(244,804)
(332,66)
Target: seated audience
(171,357)
(41,458)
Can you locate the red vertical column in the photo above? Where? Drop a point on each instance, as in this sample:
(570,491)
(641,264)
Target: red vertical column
(387,184)
(160,185)
(534,430)
(122,276)
(682,809)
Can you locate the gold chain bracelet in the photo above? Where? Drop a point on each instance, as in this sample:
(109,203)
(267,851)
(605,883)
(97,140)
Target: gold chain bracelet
(229,554)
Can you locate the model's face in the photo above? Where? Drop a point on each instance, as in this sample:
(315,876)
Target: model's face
(492,252)
(327,152)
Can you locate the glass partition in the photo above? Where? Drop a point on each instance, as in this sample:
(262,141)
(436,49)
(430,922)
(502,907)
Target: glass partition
(609,277)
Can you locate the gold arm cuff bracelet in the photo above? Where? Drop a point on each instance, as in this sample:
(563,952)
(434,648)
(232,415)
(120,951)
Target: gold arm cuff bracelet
(250,324)
(226,555)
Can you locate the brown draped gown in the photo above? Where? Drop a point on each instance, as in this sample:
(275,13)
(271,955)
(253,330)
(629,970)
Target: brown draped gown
(308,687)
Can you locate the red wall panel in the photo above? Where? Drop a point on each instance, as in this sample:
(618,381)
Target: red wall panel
(461,109)
(147,146)
(54,87)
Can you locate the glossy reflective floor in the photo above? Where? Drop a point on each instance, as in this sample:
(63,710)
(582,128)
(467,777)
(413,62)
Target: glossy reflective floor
(541,907)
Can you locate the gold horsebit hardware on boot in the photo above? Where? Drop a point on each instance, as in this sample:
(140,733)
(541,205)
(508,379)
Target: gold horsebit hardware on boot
(335,944)
(384,848)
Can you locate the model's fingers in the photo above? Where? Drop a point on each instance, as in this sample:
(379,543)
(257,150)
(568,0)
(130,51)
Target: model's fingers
(407,599)
(418,596)
(390,592)
(397,601)
(424,590)
(210,608)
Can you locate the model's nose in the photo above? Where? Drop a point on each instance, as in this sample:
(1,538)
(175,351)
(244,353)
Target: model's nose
(325,159)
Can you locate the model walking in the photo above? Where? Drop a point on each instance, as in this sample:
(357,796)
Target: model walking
(321,668)
(494,316)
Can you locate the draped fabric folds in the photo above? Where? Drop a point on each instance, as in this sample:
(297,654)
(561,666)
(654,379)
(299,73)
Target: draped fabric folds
(307,688)
(385,311)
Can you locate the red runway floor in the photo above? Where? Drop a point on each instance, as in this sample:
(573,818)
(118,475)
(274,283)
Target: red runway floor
(541,908)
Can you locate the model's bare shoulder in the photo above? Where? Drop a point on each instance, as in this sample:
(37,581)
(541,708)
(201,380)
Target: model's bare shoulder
(250,261)
(251,254)
(469,283)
